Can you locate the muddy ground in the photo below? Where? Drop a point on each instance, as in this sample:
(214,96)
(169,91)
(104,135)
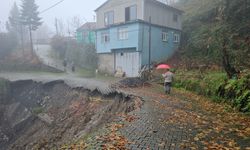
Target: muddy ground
(36,115)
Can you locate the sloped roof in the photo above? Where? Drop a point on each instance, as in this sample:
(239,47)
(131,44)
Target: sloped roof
(102,5)
(88,26)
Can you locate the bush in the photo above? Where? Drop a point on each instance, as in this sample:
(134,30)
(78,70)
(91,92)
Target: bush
(59,44)
(83,55)
(238,92)
(218,87)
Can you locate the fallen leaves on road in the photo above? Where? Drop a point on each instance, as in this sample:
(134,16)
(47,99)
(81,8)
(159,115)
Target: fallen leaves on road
(210,126)
(80,146)
(113,140)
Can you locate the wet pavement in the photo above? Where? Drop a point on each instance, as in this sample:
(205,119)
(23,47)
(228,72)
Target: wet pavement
(149,131)
(72,80)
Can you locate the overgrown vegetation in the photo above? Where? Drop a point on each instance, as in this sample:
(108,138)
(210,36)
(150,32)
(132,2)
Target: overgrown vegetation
(82,55)
(217,33)
(238,92)
(216,86)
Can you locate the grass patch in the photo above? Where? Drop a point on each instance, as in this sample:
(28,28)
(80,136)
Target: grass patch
(37,110)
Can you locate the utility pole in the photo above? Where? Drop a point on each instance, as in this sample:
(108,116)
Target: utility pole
(56,24)
(149,46)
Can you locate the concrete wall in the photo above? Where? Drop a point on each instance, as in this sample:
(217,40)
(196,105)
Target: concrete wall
(118,6)
(160,50)
(161,15)
(106,63)
(115,43)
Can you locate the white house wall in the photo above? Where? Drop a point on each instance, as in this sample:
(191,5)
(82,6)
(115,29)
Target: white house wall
(160,15)
(118,6)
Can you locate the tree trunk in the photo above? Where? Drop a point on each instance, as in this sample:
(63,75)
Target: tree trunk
(31,41)
(230,70)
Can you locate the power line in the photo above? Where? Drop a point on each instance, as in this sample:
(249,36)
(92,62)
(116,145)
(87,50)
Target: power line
(45,10)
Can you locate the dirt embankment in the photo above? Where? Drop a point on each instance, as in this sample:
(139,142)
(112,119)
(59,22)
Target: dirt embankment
(36,115)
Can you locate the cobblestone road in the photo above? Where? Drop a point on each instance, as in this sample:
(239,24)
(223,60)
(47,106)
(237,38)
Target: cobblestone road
(149,131)
(184,121)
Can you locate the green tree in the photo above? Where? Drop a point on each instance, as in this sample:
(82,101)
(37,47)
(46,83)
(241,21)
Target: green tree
(30,17)
(217,32)
(15,24)
(15,18)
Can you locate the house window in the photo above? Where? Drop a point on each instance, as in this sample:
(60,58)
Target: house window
(123,33)
(105,37)
(109,18)
(176,38)
(131,13)
(175,17)
(164,36)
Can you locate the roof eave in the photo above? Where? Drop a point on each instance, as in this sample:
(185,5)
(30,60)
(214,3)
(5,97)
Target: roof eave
(101,6)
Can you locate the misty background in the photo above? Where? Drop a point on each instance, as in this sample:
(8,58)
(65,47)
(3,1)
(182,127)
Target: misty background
(65,12)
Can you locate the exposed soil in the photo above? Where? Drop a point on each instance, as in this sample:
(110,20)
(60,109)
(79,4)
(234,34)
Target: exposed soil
(36,116)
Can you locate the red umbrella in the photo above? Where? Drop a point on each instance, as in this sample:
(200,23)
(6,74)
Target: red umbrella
(163,66)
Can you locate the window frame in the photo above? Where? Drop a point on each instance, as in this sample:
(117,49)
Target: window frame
(105,37)
(129,17)
(176,38)
(165,37)
(122,33)
(107,16)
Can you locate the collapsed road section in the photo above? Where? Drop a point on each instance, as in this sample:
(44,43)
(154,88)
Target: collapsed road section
(35,114)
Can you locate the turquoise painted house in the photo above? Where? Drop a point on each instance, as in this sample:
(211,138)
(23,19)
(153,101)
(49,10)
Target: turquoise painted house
(86,33)
(133,33)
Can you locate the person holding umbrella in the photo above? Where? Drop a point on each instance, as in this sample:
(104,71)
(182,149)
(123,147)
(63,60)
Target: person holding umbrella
(168,77)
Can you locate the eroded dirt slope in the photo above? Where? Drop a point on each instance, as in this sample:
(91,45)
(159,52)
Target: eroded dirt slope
(36,115)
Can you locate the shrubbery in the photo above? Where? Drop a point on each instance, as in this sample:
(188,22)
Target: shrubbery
(83,55)
(238,92)
(59,44)
(218,87)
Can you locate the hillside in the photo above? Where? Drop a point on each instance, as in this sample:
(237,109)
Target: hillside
(215,50)
(216,32)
